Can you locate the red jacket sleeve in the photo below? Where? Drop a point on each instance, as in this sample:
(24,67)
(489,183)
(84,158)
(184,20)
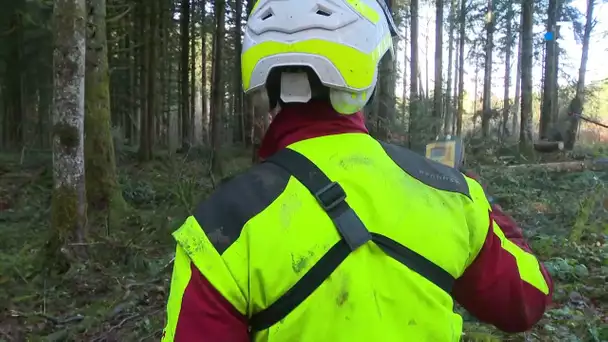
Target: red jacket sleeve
(206,315)
(492,288)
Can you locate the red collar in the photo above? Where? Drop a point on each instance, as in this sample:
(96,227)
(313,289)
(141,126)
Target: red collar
(304,121)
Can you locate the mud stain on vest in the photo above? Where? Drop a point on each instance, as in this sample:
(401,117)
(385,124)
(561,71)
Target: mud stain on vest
(355,160)
(343,293)
(289,207)
(342,297)
(300,263)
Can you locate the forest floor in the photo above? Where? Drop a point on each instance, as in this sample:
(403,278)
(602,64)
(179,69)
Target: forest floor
(120,293)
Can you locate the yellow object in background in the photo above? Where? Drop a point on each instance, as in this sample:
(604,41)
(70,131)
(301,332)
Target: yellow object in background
(449,152)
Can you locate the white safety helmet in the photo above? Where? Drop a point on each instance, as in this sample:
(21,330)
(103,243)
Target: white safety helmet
(341,41)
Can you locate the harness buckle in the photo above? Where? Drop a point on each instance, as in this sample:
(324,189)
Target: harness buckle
(330,196)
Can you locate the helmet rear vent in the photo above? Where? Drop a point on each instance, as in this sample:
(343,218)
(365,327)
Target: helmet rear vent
(324,11)
(267,15)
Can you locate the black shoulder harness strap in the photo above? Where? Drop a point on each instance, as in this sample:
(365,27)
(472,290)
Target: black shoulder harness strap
(332,199)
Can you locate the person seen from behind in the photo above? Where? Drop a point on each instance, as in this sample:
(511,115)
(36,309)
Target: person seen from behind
(336,236)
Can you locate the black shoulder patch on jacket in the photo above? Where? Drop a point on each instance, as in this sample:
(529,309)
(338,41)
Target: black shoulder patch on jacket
(427,171)
(224,214)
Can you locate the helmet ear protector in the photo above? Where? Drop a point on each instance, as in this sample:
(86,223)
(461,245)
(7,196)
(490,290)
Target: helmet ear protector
(274,86)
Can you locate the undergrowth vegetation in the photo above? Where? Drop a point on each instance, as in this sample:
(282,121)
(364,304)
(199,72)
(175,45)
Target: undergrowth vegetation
(119,294)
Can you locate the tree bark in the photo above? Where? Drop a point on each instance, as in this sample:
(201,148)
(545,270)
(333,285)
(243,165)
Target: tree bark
(525,131)
(461,38)
(385,93)
(218,88)
(577,104)
(238,82)
(447,124)
(550,73)
(68,206)
(414,81)
(192,82)
(103,192)
(516,104)
(507,85)
(14,117)
(405,58)
(147,129)
(249,115)
(487,75)
(204,95)
(184,80)
(438,91)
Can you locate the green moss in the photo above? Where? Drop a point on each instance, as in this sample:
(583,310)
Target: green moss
(65,221)
(103,191)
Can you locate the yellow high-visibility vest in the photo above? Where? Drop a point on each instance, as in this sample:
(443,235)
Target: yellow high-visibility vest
(259,235)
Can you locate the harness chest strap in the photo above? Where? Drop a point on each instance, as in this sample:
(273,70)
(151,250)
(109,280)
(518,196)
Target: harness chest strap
(332,199)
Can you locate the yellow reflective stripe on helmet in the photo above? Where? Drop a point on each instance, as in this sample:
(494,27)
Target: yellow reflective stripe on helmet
(359,6)
(179,281)
(209,262)
(366,11)
(527,264)
(356,67)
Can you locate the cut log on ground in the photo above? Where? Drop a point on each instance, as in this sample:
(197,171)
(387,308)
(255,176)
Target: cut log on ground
(572,166)
(544,146)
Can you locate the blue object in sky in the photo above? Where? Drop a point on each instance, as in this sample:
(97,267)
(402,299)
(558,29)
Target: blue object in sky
(549,36)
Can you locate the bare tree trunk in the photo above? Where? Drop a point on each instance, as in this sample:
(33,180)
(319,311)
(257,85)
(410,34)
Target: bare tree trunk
(507,84)
(414,76)
(218,88)
(454,103)
(134,55)
(555,94)
(576,106)
(144,52)
(426,52)
(525,131)
(550,73)
(184,80)
(238,82)
(448,103)
(68,206)
(404,94)
(516,104)
(204,95)
(475,98)
(103,191)
(192,82)
(487,75)
(385,94)
(461,39)
(15,113)
(249,115)
(147,129)
(438,91)
(145,142)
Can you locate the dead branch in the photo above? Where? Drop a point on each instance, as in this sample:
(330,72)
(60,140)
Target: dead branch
(548,146)
(54,320)
(573,166)
(114,327)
